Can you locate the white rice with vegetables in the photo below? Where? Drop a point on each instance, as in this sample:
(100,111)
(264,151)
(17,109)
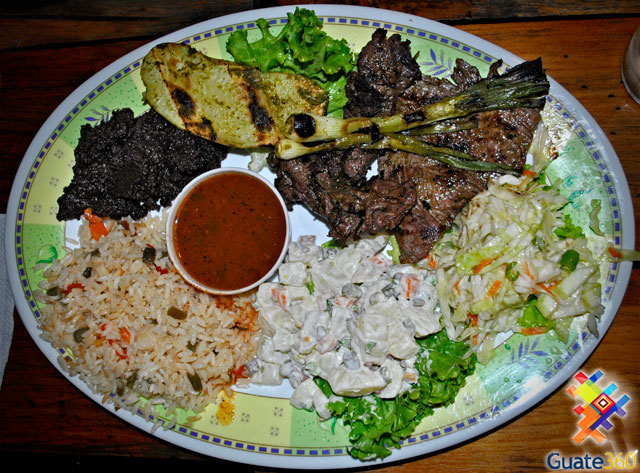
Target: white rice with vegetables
(134,327)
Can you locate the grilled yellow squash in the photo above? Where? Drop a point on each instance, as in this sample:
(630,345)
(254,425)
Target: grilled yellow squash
(222,101)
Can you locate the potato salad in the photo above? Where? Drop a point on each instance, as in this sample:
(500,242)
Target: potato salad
(347,315)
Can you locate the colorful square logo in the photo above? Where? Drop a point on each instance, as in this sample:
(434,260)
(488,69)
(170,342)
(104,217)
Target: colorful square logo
(598,407)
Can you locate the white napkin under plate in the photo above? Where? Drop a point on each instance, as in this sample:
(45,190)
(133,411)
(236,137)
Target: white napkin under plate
(6,304)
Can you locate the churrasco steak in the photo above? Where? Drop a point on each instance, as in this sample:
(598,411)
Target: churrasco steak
(414,197)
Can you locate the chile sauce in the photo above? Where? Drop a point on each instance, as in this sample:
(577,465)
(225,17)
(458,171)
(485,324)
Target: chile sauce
(229,231)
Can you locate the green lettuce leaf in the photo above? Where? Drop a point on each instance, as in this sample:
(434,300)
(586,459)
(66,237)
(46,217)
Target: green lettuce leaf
(568,230)
(532,317)
(301,47)
(377,425)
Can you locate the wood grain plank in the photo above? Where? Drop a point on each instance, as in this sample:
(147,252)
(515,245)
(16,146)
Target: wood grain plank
(35,24)
(464,10)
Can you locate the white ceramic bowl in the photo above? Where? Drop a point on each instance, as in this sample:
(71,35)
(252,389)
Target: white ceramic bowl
(173,253)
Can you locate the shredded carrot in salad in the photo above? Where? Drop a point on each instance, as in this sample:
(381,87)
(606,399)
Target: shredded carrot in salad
(482,264)
(495,287)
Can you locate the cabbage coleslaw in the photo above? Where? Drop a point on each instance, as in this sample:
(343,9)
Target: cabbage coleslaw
(515,262)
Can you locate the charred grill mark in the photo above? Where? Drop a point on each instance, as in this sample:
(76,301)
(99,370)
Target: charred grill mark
(186,106)
(413,117)
(205,129)
(259,115)
(373,131)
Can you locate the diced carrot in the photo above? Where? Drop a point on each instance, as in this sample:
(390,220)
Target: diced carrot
(125,334)
(343,301)
(528,173)
(71,287)
(383,264)
(534,330)
(615,253)
(548,288)
(123,355)
(482,264)
(280,296)
(240,372)
(495,287)
(410,284)
(96,225)
(474,320)
(525,266)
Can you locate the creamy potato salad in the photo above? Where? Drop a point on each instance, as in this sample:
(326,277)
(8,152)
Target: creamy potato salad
(349,316)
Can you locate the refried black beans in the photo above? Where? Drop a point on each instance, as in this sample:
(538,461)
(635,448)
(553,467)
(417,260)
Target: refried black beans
(130,165)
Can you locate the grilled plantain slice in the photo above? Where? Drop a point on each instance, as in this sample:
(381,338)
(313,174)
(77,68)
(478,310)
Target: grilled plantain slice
(222,101)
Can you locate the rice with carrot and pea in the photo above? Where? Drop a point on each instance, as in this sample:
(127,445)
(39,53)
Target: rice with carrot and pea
(133,327)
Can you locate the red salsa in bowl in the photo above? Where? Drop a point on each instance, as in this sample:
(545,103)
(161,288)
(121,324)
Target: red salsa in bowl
(228,231)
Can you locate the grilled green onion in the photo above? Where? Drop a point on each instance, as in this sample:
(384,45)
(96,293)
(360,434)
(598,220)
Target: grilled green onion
(448,156)
(594,220)
(449,126)
(524,85)
(53,291)
(149,255)
(131,380)
(289,149)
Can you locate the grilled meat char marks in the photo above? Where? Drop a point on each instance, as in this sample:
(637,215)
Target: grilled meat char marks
(415,197)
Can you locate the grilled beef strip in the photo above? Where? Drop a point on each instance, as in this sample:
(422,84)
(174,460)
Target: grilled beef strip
(415,197)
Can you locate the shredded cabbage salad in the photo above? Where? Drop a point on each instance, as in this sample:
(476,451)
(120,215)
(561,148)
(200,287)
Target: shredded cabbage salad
(515,262)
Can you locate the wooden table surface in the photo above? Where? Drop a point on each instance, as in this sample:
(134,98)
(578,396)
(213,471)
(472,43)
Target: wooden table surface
(47,49)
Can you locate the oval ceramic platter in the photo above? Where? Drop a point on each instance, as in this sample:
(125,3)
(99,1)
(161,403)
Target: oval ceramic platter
(265,429)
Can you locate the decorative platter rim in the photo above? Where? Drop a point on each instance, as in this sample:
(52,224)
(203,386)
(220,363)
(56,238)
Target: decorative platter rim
(335,15)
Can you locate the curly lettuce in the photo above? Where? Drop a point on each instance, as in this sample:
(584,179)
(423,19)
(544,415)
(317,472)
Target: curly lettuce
(376,425)
(301,47)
